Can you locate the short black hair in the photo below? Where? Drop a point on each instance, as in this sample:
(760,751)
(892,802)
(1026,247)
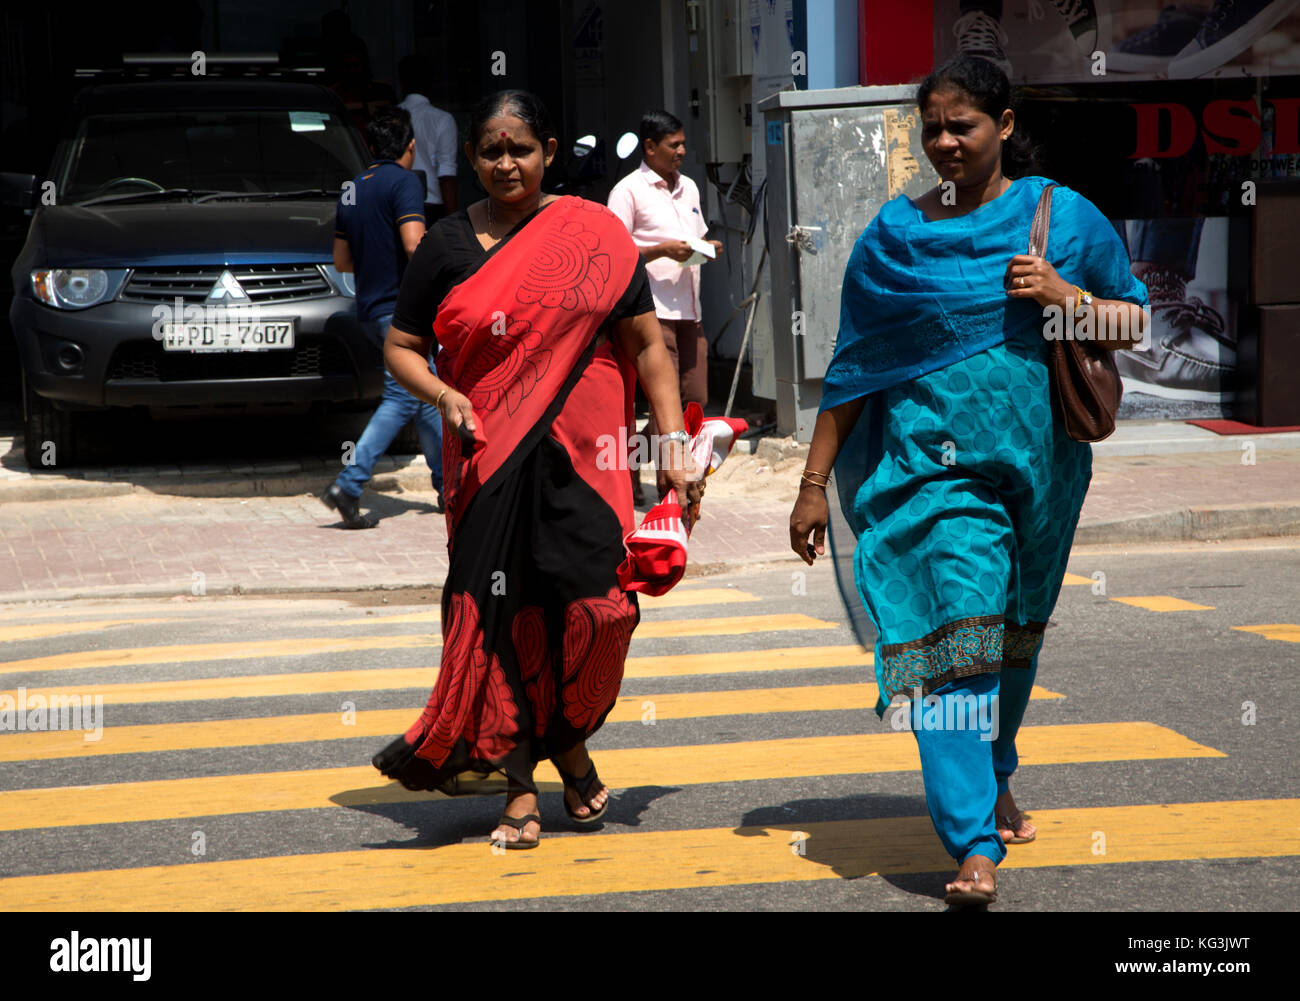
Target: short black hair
(390,132)
(990,91)
(528,108)
(657,124)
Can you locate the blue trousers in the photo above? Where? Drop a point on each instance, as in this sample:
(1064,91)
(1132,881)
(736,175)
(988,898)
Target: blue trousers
(959,764)
(394,410)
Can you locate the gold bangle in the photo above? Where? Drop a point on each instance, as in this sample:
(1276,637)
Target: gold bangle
(438,402)
(809,479)
(813,472)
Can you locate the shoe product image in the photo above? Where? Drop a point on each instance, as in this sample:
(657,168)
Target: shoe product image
(1150,49)
(1231,27)
(978,34)
(1189,356)
(1081,18)
(348,507)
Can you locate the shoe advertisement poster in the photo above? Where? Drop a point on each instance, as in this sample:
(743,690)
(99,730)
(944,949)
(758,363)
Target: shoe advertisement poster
(1059,41)
(1189,367)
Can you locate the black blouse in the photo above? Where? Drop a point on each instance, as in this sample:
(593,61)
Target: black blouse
(450,253)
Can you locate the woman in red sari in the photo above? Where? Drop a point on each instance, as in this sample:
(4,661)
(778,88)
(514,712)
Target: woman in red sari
(543,317)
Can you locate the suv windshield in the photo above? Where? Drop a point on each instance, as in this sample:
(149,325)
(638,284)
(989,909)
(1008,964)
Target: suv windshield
(238,151)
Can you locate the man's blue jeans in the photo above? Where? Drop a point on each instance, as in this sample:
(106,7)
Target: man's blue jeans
(394,410)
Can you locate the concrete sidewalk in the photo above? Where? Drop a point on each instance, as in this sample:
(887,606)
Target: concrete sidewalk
(223,528)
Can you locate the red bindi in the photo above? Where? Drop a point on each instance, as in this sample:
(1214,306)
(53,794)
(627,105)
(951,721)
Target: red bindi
(503,135)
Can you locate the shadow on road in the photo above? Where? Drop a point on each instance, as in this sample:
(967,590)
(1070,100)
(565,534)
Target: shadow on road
(890,836)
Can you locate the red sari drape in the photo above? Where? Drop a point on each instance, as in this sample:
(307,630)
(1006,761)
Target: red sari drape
(535,626)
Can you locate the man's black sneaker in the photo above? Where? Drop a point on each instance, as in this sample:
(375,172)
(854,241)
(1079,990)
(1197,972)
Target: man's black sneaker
(1149,50)
(347,507)
(1231,27)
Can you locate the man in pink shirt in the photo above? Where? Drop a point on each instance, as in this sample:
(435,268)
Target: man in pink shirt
(661,209)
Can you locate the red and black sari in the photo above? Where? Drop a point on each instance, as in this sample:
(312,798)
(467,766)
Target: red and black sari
(535,626)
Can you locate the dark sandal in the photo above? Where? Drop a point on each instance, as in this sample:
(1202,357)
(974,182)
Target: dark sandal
(973,897)
(519,823)
(582,786)
(1012,824)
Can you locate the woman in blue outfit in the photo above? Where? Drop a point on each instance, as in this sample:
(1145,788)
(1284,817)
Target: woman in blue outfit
(957,477)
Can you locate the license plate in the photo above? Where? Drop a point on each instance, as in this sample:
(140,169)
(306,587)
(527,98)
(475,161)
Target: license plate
(260,335)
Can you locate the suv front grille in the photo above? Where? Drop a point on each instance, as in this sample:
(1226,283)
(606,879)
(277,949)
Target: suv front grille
(147,361)
(264,283)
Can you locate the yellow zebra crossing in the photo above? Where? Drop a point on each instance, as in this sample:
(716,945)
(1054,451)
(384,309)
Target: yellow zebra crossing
(658,860)
(563,865)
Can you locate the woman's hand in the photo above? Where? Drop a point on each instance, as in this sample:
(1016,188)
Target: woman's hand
(456,410)
(674,470)
(1033,278)
(809,517)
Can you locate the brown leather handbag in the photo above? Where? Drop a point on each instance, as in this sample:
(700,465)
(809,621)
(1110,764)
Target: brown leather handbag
(1086,388)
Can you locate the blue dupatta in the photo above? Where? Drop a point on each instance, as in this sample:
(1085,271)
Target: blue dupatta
(920,295)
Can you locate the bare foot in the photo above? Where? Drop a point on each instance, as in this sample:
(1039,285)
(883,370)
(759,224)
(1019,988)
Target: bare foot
(976,882)
(1010,822)
(519,805)
(577,762)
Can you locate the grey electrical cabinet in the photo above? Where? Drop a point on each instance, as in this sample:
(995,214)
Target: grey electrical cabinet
(834,157)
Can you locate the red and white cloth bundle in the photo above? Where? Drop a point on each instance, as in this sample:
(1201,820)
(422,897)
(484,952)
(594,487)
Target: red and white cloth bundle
(656,552)
(711,438)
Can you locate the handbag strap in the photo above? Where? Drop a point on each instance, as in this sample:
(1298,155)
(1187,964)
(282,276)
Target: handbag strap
(1042,223)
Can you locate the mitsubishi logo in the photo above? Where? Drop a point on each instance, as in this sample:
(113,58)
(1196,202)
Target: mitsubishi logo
(226,286)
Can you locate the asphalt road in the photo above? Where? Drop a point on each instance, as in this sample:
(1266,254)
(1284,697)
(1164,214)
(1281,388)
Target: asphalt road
(748,780)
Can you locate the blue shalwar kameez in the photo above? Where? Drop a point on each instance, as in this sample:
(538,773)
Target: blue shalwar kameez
(962,487)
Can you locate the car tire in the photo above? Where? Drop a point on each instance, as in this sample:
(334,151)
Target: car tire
(49,434)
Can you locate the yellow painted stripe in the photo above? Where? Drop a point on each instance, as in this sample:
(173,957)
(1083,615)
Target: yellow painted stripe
(678,598)
(578,865)
(1288,632)
(736,625)
(13,634)
(247,686)
(1164,603)
(87,610)
(648,603)
(1074,580)
(736,661)
(698,764)
(432,616)
(243,650)
(315,682)
(302,727)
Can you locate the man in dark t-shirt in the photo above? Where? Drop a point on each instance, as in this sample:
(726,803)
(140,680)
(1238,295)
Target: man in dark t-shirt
(380,222)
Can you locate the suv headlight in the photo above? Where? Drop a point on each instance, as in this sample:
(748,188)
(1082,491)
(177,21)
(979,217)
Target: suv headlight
(343,281)
(76,288)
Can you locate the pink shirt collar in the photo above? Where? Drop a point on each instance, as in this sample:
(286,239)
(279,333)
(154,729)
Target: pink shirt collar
(654,179)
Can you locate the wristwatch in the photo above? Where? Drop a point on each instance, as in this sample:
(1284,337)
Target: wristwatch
(1085,298)
(681,436)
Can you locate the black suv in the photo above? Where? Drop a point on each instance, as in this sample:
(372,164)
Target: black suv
(180,258)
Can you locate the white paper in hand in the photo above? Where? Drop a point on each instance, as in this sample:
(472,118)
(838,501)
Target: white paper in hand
(703,252)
